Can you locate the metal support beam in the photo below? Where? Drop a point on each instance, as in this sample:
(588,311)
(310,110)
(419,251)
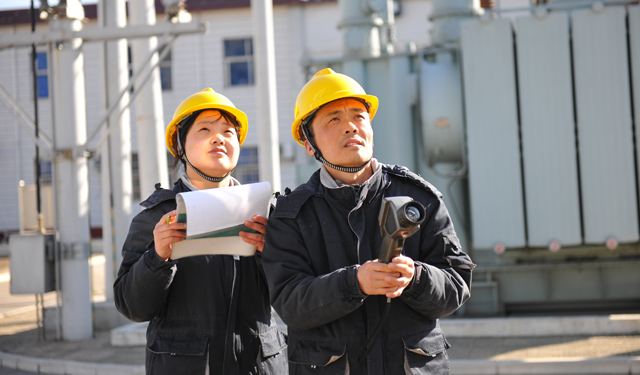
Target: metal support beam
(99,34)
(116,152)
(24,119)
(132,81)
(72,180)
(152,153)
(265,63)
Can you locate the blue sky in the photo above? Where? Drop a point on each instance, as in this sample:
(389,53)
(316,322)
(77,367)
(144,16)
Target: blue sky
(25,4)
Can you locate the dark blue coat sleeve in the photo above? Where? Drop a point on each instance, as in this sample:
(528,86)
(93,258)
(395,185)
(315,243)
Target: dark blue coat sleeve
(143,281)
(442,277)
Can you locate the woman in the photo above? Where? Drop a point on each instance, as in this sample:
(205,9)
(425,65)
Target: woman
(208,314)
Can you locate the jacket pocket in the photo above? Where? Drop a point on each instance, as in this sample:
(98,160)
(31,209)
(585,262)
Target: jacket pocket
(273,342)
(426,353)
(273,353)
(311,357)
(191,344)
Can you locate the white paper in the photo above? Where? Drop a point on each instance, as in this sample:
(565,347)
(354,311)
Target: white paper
(214,216)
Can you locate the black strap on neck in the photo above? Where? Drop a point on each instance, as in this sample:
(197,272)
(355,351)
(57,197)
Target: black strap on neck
(320,158)
(183,154)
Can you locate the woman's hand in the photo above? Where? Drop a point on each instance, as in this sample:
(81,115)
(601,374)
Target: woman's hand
(166,233)
(259,224)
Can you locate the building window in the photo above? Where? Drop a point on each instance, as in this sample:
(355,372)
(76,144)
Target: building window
(135,177)
(238,62)
(45,172)
(165,73)
(247,169)
(42,78)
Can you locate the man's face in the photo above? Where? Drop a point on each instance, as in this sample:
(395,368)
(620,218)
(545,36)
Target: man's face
(342,132)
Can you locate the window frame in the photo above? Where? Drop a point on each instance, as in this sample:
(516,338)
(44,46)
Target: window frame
(247,170)
(42,73)
(167,64)
(246,58)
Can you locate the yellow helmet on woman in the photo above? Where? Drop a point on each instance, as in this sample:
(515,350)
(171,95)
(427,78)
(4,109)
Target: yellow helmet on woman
(327,86)
(205,99)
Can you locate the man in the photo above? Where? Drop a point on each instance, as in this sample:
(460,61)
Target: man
(323,239)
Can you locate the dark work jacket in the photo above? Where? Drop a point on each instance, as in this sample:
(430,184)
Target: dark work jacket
(315,240)
(214,306)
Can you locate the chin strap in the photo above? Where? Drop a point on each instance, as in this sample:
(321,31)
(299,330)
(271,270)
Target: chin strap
(183,154)
(320,158)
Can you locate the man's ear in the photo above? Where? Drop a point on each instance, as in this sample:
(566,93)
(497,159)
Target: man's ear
(307,147)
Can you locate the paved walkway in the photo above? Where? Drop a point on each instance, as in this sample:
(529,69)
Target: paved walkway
(545,350)
(620,354)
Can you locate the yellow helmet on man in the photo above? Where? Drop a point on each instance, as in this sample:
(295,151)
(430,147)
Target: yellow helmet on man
(205,99)
(327,86)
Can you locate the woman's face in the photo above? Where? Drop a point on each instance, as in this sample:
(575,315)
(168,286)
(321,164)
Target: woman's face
(212,144)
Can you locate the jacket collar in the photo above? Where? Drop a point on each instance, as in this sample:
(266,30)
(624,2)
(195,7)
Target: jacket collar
(182,173)
(348,195)
(328,181)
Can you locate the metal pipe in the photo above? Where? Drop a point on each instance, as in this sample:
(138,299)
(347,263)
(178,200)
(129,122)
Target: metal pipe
(117,180)
(135,93)
(16,123)
(563,6)
(308,63)
(35,120)
(152,159)
(43,140)
(99,34)
(360,29)
(56,208)
(125,90)
(265,64)
(73,193)
(39,299)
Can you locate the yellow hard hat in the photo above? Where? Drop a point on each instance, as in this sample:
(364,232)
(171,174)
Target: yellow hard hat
(205,99)
(327,86)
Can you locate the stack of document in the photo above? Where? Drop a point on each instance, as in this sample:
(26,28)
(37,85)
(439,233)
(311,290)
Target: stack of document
(215,217)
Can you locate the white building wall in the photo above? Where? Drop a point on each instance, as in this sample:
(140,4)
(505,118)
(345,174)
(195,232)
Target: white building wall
(301,32)
(17,151)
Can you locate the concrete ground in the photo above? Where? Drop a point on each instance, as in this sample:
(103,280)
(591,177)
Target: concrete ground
(23,350)
(478,355)
(18,335)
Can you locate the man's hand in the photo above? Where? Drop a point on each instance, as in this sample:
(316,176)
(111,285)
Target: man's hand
(403,265)
(372,278)
(375,278)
